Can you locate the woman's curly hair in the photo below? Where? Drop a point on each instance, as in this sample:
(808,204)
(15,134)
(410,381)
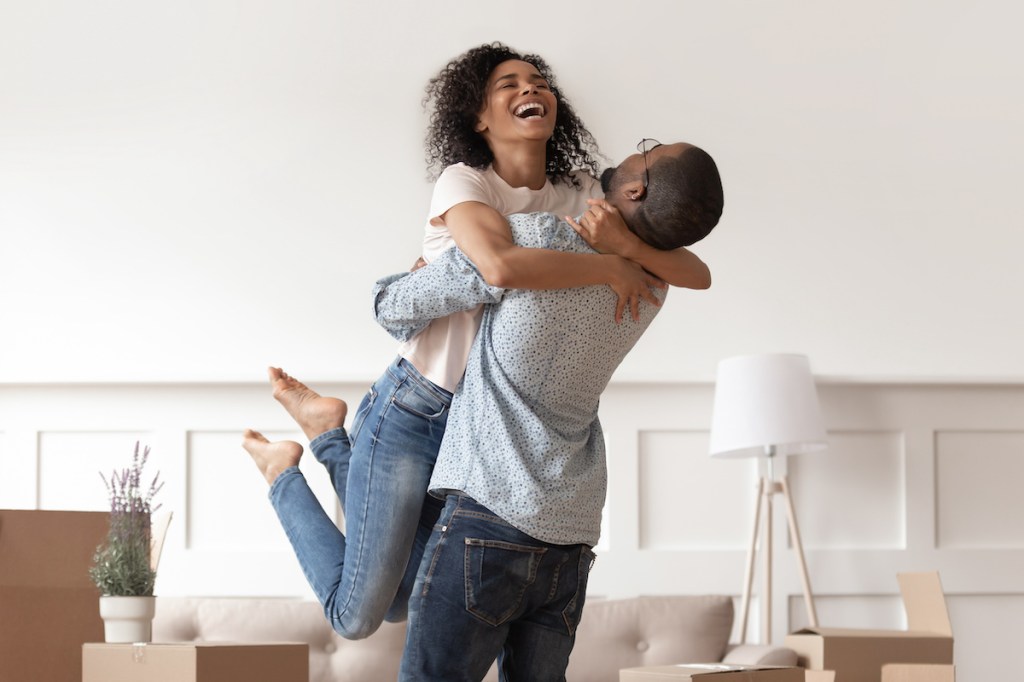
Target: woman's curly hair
(455,96)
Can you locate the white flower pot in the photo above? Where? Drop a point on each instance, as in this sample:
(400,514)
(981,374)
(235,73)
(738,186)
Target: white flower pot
(127,619)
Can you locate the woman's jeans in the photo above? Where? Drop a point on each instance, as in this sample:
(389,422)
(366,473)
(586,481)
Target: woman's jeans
(486,590)
(380,471)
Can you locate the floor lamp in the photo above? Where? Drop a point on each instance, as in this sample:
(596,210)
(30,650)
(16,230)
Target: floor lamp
(766,406)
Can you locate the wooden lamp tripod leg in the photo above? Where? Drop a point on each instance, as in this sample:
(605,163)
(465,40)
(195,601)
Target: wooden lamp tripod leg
(748,577)
(812,614)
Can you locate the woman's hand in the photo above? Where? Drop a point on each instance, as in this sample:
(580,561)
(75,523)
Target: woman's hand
(631,283)
(603,228)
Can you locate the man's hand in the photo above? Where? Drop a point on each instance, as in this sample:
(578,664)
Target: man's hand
(603,228)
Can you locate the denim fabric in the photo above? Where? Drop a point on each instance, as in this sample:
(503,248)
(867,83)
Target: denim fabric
(486,590)
(380,472)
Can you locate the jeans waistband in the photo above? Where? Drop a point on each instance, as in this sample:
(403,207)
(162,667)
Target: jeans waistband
(401,367)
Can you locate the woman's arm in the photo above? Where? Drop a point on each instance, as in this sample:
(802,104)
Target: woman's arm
(604,229)
(484,236)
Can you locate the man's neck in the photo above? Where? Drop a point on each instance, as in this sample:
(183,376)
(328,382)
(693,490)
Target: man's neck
(521,167)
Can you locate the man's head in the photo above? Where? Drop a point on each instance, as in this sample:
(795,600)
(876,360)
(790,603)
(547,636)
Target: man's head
(682,202)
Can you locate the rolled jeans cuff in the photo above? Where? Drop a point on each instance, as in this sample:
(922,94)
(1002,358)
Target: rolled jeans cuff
(327,435)
(281,481)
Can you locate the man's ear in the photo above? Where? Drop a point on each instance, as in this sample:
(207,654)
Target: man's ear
(633,191)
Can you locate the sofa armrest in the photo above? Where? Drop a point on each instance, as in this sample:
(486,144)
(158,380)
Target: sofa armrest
(759,654)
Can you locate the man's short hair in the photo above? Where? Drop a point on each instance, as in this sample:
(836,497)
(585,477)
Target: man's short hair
(684,200)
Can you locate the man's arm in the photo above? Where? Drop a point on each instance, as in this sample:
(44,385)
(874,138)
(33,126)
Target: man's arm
(404,304)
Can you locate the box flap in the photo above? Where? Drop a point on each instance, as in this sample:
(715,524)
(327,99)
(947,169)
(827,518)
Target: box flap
(159,524)
(925,603)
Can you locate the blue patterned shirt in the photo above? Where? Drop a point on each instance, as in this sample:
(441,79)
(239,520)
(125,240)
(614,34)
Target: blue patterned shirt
(523,437)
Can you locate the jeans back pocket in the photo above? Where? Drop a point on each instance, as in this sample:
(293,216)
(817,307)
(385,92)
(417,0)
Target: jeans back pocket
(497,576)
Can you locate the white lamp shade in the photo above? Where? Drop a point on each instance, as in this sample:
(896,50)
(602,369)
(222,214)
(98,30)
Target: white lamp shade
(762,401)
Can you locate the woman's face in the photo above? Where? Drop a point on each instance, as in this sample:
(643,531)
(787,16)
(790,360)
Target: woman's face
(518,105)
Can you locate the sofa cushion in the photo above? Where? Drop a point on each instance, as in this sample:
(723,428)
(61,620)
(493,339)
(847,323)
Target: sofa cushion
(649,631)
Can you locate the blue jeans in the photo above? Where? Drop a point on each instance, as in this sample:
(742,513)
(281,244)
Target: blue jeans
(487,590)
(380,471)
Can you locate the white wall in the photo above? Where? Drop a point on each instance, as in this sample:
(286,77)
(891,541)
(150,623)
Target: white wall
(193,191)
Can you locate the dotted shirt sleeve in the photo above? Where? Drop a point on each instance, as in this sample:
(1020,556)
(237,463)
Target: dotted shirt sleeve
(406,303)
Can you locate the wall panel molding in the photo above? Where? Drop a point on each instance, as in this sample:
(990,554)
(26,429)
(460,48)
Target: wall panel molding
(917,477)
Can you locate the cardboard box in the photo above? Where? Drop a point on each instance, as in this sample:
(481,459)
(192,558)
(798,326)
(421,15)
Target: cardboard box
(195,662)
(48,604)
(858,655)
(917,672)
(711,672)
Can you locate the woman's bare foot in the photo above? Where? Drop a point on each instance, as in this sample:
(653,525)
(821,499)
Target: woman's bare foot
(314,413)
(271,458)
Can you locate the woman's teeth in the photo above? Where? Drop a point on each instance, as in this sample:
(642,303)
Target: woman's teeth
(530,110)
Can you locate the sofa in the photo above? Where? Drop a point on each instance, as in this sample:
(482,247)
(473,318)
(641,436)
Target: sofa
(613,634)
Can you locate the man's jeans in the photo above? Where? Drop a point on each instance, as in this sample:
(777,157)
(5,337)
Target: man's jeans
(487,590)
(381,475)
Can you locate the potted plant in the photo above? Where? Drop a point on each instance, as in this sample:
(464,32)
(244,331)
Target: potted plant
(122,566)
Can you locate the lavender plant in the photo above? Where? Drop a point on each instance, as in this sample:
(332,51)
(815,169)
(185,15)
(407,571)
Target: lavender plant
(121,567)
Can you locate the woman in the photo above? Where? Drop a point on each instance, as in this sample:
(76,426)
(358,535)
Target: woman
(508,142)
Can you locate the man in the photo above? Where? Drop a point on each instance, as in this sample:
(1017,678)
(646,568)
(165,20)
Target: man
(522,465)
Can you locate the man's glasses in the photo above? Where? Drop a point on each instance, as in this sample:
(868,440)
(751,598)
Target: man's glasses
(646,145)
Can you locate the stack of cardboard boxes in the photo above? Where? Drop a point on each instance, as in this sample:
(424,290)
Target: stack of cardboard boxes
(50,622)
(859,655)
(48,605)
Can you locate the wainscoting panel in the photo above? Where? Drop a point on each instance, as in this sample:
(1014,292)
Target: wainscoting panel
(916,477)
(681,487)
(70,464)
(223,484)
(18,468)
(856,489)
(987,633)
(979,478)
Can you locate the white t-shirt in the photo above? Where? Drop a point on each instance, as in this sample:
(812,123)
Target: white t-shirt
(440,351)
